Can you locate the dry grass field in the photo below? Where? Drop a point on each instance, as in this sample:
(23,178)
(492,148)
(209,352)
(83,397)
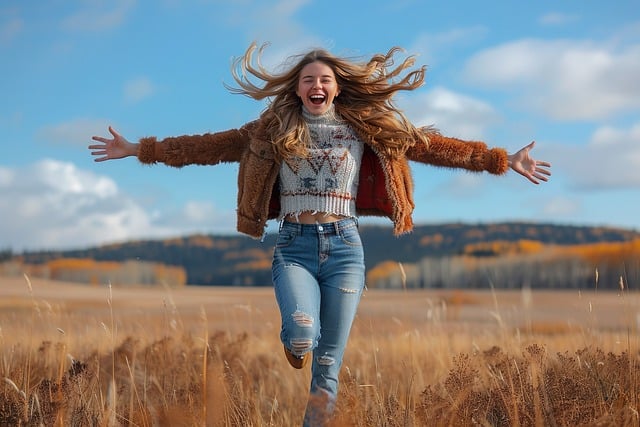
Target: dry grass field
(73,355)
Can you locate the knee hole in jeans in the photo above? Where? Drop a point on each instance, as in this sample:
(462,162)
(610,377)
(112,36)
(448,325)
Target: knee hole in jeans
(300,346)
(302,319)
(326,360)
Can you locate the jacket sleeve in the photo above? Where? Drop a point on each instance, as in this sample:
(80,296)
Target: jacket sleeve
(206,149)
(456,153)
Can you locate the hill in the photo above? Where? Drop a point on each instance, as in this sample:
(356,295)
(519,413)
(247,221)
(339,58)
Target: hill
(242,261)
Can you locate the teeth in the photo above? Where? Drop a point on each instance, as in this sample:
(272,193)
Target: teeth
(317,99)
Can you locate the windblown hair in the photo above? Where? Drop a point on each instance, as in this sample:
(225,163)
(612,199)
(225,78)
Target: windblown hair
(365,102)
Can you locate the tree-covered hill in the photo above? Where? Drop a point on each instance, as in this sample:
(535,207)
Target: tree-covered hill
(240,260)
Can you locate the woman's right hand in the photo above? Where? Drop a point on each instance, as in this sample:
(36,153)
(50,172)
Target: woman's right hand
(112,148)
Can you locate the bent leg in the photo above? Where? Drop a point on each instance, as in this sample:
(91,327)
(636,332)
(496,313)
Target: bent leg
(298,298)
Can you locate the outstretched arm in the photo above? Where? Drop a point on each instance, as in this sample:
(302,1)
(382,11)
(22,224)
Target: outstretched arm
(112,148)
(534,170)
(476,156)
(206,149)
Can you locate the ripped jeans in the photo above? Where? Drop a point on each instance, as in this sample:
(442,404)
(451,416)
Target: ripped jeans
(318,275)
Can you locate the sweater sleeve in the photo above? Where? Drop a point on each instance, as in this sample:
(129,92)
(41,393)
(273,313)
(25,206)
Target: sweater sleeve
(206,149)
(456,153)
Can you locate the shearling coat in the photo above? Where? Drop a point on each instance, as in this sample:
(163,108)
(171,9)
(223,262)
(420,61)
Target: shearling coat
(385,187)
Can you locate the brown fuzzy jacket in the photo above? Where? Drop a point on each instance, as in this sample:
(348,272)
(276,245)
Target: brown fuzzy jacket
(385,187)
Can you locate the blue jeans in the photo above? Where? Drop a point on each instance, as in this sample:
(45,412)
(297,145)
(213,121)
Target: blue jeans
(318,275)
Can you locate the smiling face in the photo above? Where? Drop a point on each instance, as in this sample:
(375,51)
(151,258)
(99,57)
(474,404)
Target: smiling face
(317,87)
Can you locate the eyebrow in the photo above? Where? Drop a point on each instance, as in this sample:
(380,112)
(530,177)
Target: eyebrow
(324,76)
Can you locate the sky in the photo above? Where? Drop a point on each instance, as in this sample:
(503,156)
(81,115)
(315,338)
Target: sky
(562,73)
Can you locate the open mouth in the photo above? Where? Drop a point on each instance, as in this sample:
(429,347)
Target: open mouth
(317,99)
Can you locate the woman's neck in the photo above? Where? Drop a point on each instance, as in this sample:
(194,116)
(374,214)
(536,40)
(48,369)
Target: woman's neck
(326,117)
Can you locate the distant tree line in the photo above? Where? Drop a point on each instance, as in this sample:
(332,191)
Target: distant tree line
(441,255)
(6,255)
(97,273)
(590,266)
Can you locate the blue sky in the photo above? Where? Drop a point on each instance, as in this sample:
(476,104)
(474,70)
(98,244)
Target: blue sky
(564,74)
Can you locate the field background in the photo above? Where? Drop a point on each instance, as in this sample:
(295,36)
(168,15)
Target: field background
(483,357)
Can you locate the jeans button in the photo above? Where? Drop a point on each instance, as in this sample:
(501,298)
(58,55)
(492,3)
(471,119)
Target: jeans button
(320,228)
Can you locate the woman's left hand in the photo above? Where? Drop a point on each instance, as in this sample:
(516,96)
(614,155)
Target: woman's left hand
(534,170)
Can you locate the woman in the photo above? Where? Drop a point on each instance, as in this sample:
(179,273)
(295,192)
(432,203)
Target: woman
(330,146)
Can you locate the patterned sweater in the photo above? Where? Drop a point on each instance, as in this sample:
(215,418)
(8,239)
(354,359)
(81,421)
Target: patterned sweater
(327,180)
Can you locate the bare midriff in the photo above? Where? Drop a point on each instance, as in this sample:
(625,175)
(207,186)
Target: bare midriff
(313,218)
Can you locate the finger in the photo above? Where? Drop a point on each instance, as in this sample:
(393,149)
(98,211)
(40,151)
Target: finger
(96,147)
(100,139)
(542,174)
(113,132)
(541,177)
(545,164)
(528,176)
(533,180)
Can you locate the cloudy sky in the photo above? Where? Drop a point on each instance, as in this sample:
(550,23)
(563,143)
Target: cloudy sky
(564,74)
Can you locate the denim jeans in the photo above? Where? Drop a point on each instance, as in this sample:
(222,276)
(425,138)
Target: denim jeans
(318,275)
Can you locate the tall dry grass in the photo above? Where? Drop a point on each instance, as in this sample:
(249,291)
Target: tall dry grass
(102,356)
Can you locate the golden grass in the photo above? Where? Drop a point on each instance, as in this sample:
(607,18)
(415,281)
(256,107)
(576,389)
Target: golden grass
(101,356)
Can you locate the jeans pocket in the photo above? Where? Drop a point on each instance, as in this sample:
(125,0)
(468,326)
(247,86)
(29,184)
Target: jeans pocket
(285,239)
(350,236)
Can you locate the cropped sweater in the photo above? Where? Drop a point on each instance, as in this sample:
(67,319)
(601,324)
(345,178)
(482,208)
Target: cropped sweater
(385,184)
(327,179)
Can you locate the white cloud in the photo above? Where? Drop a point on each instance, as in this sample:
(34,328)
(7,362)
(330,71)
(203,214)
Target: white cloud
(561,207)
(6,176)
(565,79)
(54,204)
(60,177)
(199,211)
(610,161)
(198,216)
(99,15)
(138,89)
(452,113)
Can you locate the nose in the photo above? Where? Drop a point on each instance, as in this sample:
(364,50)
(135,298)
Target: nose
(316,83)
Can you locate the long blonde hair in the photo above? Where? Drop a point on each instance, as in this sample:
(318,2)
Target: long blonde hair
(365,101)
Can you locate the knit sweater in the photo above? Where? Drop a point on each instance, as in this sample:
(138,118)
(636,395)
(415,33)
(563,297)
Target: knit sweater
(327,179)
